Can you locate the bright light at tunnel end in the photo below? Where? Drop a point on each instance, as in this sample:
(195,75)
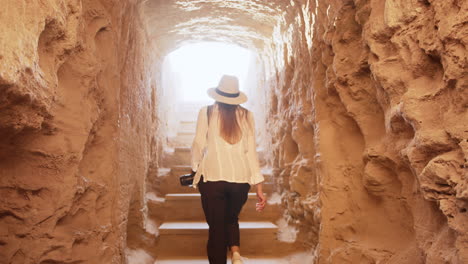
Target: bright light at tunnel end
(198,67)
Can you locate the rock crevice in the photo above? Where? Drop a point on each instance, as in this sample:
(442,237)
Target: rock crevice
(361,111)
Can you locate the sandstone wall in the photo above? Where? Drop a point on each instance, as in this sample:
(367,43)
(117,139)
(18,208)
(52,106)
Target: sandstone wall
(77,128)
(366,106)
(368,120)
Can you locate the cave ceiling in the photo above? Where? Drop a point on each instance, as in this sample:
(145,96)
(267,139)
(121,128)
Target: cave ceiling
(174,23)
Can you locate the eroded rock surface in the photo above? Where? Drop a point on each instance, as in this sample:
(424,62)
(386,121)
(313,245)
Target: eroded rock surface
(77,102)
(369,128)
(365,103)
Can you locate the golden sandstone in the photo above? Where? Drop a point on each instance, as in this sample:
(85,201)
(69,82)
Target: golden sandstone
(361,111)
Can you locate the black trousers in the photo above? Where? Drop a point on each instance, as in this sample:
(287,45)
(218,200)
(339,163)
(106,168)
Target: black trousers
(222,202)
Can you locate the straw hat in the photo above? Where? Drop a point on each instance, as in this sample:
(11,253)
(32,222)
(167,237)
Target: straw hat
(228,91)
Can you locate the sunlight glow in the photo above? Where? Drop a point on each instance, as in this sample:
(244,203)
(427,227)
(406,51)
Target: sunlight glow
(195,68)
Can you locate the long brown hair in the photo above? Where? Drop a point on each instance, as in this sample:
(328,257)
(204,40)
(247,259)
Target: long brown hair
(230,128)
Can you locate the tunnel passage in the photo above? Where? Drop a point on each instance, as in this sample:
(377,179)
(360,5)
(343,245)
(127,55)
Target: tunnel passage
(361,107)
(187,73)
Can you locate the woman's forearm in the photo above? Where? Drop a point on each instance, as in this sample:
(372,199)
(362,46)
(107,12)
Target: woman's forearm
(259,187)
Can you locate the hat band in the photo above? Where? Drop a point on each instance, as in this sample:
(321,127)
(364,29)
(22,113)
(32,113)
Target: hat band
(230,95)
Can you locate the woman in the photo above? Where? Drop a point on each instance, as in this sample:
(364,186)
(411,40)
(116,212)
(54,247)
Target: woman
(226,163)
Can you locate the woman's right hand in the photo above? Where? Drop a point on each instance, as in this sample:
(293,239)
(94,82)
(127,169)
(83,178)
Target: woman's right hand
(261,199)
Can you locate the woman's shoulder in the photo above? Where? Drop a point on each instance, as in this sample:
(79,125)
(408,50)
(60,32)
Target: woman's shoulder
(248,113)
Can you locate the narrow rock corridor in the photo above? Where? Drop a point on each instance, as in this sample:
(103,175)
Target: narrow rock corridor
(360,107)
(181,223)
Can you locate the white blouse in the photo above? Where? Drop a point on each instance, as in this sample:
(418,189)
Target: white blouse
(218,160)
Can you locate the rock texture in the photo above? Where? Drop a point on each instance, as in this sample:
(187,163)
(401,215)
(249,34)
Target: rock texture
(77,128)
(361,107)
(174,23)
(368,120)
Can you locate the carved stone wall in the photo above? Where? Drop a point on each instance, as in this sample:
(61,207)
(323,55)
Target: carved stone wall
(368,114)
(77,128)
(366,118)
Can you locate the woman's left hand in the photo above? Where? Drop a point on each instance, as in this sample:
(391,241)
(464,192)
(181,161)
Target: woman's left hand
(261,199)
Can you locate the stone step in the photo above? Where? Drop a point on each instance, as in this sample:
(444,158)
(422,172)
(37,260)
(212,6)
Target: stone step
(198,260)
(186,133)
(178,156)
(181,140)
(183,169)
(187,207)
(155,207)
(190,238)
(187,126)
(181,155)
(297,257)
(190,115)
(201,228)
(170,183)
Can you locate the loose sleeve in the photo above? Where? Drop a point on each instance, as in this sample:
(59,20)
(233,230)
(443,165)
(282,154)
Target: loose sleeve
(256,175)
(199,142)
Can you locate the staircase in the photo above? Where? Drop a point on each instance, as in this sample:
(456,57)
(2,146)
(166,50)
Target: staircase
(177,212)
